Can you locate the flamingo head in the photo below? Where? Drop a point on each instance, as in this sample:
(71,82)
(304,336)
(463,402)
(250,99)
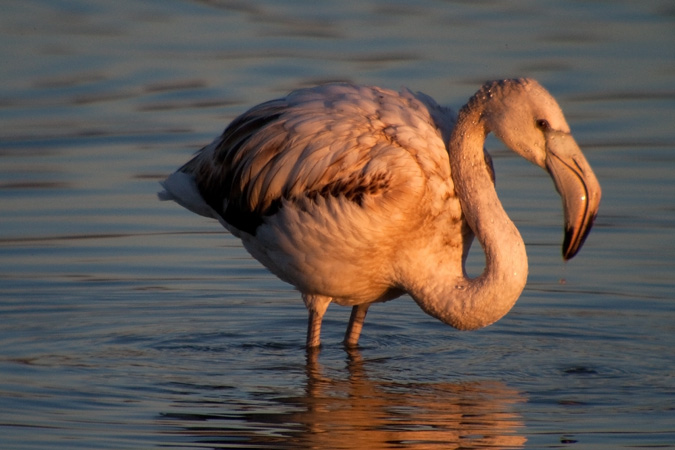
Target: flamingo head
(529,121)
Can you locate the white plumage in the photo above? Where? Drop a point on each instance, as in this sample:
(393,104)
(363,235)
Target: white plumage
(357,195)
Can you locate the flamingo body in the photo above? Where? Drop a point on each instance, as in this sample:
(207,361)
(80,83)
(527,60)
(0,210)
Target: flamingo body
(349,193)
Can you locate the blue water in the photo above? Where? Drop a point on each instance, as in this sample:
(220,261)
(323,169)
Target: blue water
(130,323)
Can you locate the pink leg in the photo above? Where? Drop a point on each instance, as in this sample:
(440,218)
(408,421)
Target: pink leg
(316,305)
(314,329)
(355,325)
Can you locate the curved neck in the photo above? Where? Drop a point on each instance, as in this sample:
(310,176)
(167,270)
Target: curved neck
(474,303)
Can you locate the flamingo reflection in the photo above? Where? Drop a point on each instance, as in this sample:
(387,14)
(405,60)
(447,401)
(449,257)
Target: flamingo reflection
(355,411)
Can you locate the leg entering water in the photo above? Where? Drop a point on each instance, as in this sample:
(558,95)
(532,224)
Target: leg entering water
(355,325)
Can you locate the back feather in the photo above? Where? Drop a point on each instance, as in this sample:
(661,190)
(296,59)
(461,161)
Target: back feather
(335,140)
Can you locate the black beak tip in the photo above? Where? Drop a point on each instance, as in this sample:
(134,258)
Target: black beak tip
(574,241)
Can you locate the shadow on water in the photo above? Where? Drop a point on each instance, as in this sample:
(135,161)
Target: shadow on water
(355,411)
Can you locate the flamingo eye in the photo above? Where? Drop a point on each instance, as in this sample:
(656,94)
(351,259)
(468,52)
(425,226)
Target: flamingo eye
(543,124)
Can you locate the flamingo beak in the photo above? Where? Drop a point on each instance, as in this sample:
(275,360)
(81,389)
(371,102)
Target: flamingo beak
(577,185)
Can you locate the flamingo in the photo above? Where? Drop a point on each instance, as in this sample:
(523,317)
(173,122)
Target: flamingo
(357,195)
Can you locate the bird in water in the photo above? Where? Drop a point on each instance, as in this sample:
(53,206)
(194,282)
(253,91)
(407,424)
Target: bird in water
(357,195)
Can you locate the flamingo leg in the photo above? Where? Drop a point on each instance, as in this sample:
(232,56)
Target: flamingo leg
(355,325)
(314,329)
(316,305)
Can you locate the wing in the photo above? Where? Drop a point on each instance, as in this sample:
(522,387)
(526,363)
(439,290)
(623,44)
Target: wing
(360,144)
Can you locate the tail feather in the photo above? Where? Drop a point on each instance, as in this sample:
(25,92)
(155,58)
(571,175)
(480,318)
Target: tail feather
(182,189)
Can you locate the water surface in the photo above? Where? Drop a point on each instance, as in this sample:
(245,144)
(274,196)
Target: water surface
(129,323)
